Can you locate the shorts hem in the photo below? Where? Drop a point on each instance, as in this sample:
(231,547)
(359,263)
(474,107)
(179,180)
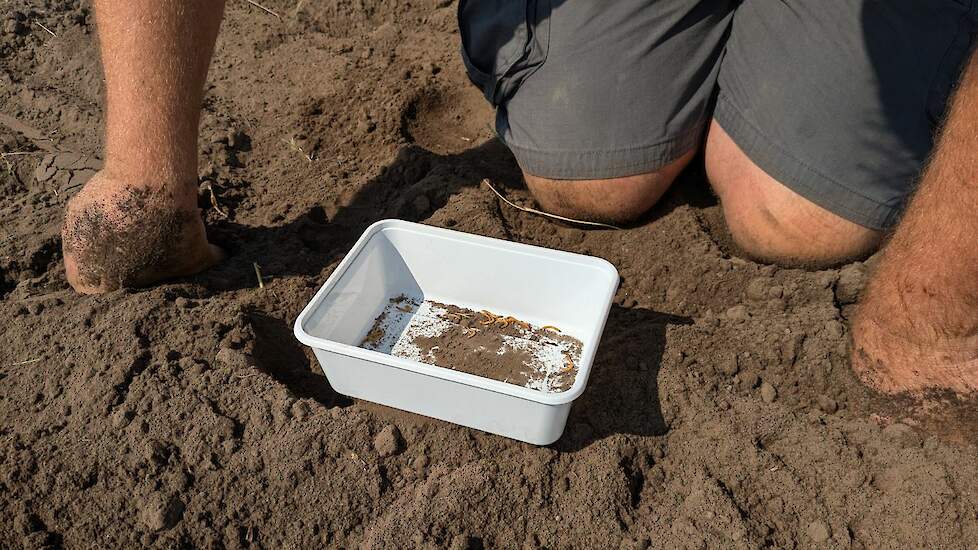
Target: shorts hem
(799,177)
(608,164)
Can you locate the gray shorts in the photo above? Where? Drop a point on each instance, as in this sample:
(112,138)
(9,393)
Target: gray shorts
(837,100)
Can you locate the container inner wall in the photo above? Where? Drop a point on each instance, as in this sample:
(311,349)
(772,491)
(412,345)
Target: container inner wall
(537,289)
(455,270)
(377,274)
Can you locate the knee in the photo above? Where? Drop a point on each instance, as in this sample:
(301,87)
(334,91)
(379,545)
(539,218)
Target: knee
(617,200)
(772,223)
(794,234)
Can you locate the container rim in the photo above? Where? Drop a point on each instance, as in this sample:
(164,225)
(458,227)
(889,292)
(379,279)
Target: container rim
(468,379)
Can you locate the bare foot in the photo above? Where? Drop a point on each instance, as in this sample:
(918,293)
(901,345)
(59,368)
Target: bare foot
(118,235)
(897,350)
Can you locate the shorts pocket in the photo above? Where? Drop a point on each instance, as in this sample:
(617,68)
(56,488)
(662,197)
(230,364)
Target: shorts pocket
(503,43)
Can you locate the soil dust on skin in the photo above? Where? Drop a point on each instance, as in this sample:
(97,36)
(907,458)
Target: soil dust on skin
(117,247)
(720,410)
(482,343)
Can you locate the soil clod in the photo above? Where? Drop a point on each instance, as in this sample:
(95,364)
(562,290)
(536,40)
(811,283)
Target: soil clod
(161,512)
(729,365)
(388,441)
(757,288)
(852,279)
(235,359)
(827,404)
(819,531)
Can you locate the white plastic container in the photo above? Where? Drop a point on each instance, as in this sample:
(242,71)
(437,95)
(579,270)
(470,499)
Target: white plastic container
(393,258)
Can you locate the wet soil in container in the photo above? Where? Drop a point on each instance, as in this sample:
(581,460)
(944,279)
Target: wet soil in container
(483,343)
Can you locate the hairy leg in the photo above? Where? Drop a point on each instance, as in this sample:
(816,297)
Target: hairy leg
(136,222)
(773,223)
(917,325)
(617,200)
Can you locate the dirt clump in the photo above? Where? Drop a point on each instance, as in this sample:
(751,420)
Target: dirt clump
(389,441)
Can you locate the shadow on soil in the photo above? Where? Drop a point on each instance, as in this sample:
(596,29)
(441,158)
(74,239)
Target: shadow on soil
(316,240)
(416,183)
(622,395)
(278,353)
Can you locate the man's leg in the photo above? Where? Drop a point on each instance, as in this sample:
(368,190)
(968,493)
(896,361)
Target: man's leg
(617,200)
(771,222)
(605,102)
(137,221)
(917,326)
(822,125)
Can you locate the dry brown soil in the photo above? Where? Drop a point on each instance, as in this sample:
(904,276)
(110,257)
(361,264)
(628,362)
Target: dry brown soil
(721,410)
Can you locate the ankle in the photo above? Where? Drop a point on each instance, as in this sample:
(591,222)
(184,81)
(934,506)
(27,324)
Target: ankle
(168,161)
(167,184)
